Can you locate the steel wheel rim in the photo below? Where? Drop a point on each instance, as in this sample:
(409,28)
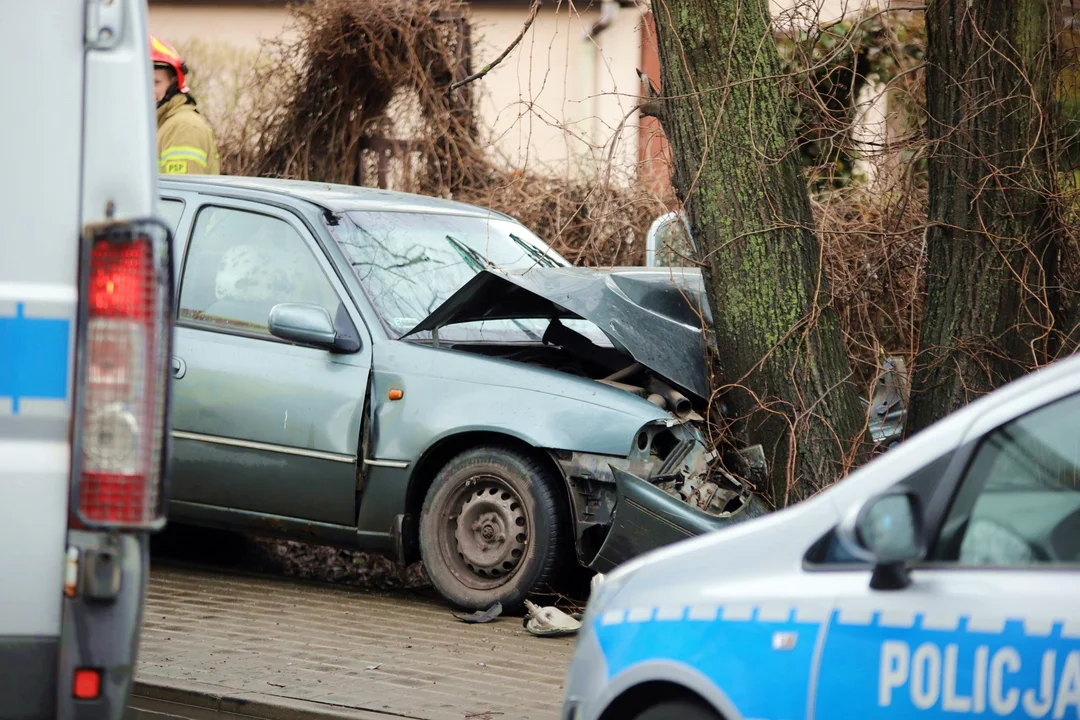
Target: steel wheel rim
(485,534)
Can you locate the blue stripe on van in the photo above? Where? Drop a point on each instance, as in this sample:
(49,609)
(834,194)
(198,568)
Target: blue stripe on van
(33,358)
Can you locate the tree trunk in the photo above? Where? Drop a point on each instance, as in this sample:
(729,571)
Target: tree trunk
(779,348)
(990,252)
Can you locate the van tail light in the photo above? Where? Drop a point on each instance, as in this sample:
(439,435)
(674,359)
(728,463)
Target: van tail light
(124,341)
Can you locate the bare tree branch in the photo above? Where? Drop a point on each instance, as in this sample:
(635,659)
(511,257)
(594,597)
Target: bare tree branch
(491,65)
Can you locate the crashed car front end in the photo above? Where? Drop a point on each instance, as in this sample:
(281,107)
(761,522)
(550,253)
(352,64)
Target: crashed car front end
(650,343)
(668,488)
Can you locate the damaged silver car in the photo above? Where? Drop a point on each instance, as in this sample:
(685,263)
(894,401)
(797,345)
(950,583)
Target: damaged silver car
(429,380)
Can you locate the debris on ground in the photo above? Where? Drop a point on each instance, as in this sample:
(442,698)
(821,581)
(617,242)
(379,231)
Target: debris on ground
(549,621)
(337,565)
(482,616)
(286,557)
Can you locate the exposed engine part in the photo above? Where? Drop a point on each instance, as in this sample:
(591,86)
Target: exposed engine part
(624,373)
(703,494)
(655,390)
(677,403)
(636,390)
(678,460)
(685,474)
(671,457)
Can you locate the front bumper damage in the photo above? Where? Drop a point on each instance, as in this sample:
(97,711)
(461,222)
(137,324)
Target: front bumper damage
(669,489)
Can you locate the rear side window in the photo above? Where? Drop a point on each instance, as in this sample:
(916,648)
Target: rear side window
(1019,502)
(170,211)
(240,264)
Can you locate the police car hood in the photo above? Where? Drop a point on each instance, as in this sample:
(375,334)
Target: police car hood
(653,314)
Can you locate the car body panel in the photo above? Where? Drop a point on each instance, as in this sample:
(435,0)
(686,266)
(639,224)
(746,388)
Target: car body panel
(255,417)
(332,196)
(448,392)
(383,524)
(645,518)
(651,313)
(269,525)
(41,216)
(84,161)
(263,425)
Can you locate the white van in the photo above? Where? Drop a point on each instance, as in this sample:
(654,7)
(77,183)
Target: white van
(941,579)
(85,292)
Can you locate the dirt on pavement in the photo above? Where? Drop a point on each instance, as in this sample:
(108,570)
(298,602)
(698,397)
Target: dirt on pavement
(399,652)
(230,550)
(308,561)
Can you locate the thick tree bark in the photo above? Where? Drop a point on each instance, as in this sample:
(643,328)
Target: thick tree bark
(779,348)
(990,252)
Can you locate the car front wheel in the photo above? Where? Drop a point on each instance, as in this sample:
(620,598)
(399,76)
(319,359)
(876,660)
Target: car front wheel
(491,529)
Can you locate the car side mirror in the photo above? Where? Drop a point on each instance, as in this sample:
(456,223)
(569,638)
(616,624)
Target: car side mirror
(305,324)
(886,530)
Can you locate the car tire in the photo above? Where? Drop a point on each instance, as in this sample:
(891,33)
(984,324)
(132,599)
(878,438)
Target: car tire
(491,529)
(678,709)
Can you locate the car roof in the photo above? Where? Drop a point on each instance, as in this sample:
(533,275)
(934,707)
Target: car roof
(332,196)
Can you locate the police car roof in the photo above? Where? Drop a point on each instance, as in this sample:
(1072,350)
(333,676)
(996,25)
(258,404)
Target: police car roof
(332,196)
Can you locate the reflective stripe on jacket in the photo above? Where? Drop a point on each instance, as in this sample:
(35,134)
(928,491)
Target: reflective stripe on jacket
(186,144)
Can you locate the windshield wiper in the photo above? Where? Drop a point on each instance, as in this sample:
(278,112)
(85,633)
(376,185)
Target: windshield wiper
(533,252)
(470,256)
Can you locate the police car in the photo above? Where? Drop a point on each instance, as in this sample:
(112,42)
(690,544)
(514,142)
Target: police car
(942,579)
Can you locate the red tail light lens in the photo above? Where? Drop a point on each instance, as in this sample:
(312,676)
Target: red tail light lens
(122,280)
(124,396)
(87,684)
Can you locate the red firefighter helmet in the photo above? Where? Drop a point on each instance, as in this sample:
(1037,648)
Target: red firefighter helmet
(164,55)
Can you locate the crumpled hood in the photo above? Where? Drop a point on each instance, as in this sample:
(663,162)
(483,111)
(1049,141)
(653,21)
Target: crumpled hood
(650,313)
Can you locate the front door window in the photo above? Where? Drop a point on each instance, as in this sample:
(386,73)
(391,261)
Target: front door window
(240,265)
(1019,502)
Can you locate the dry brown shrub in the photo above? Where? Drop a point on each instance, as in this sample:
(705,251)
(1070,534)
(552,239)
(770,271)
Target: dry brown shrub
(353,70)
(584,221)
(872,246)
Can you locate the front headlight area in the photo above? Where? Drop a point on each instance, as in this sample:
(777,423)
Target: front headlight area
(671,455)
(685,468)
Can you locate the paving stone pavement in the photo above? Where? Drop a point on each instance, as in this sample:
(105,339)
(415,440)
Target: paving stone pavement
(392,653)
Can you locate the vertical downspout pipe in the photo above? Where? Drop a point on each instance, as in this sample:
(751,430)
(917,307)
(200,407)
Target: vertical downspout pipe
(608,9)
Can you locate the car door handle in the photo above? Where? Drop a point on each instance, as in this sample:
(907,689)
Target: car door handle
(179,367)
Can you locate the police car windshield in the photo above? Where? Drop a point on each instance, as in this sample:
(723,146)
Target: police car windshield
(410,263)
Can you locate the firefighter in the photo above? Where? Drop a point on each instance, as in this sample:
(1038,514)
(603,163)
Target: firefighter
(186,144)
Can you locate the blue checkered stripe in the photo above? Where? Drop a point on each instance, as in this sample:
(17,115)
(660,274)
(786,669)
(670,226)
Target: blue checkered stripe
(872,664)
(35,359)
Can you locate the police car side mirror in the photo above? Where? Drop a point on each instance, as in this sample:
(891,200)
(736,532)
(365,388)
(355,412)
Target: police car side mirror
(886,530)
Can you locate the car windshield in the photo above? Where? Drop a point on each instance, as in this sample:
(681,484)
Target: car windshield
(410,263)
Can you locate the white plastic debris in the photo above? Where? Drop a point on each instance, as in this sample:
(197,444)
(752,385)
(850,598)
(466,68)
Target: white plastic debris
(549,621)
